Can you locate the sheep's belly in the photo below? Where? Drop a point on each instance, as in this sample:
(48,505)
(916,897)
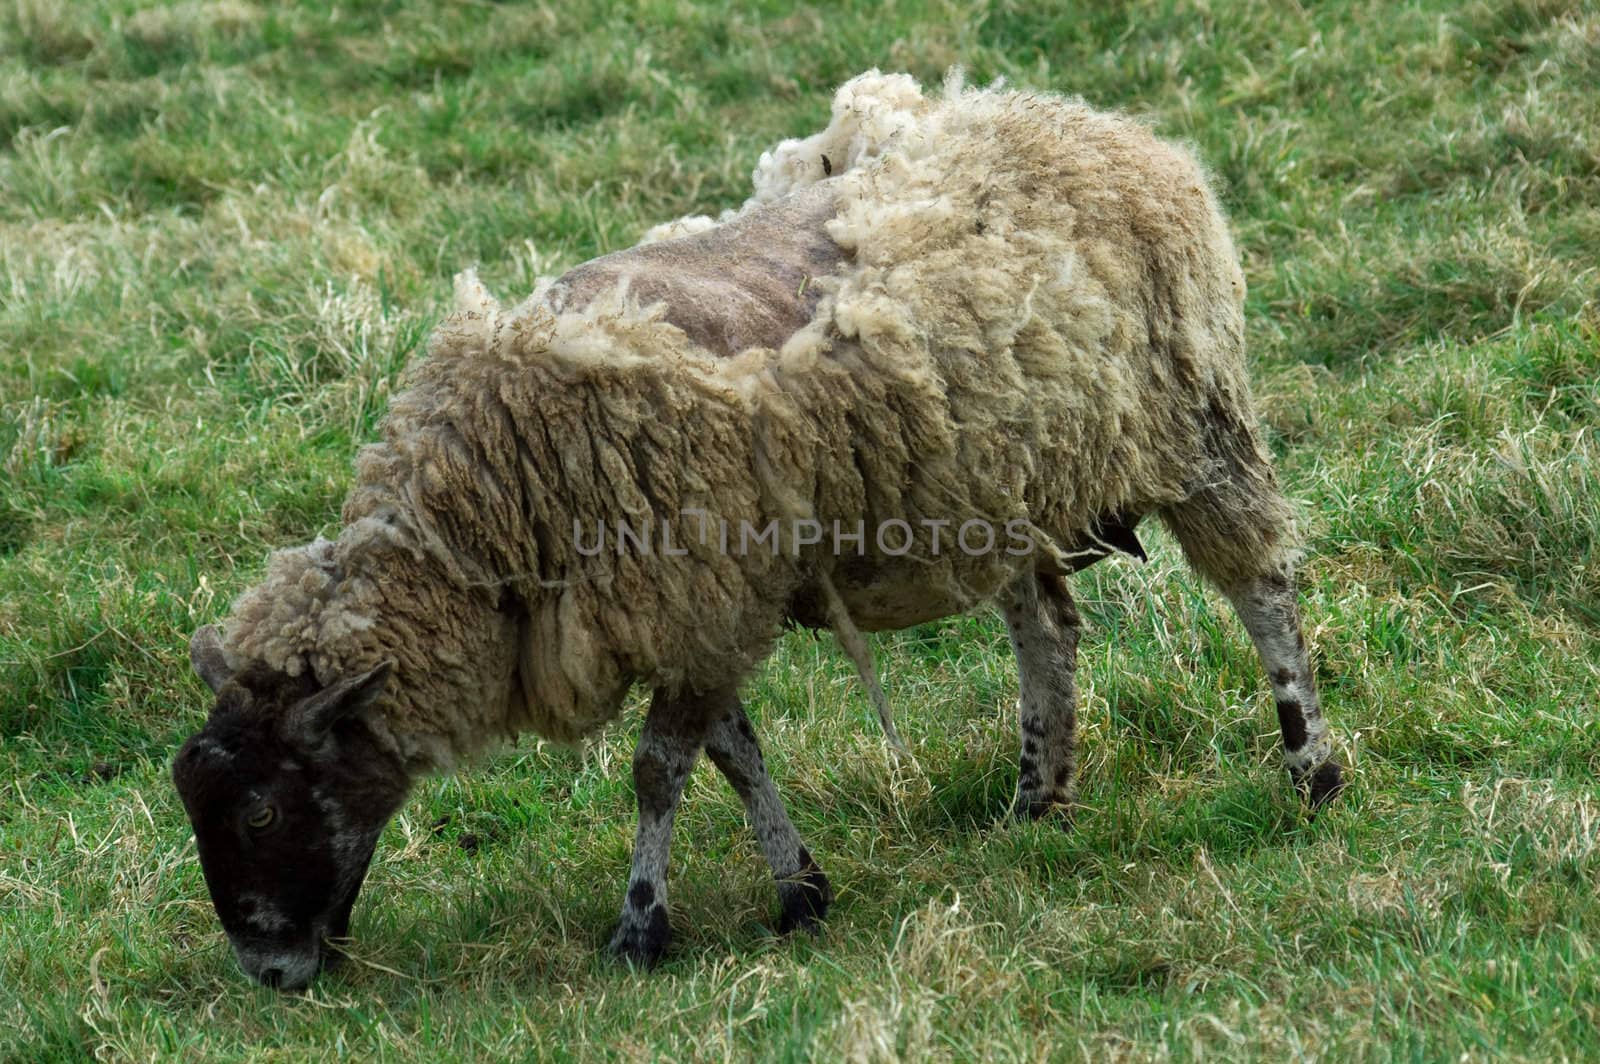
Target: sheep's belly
(887,593)
(884,594)
(889,604)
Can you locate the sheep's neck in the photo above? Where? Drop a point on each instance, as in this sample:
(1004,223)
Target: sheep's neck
(454,650)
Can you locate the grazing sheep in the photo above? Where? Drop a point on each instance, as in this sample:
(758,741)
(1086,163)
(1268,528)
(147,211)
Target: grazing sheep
(999,319)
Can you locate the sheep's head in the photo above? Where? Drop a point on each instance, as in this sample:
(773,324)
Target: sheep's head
(287,792)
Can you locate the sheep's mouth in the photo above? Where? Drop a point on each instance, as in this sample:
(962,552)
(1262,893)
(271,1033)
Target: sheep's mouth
(294,966)
(290,969)
(281,969)
(332,940)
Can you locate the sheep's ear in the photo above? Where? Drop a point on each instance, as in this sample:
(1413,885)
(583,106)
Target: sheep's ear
(205,654)
(312,719)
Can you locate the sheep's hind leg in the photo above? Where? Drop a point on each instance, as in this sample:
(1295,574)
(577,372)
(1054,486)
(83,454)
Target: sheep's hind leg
(1235,529)
(1044,628)
(803,889)
(667,749)
(1266,605)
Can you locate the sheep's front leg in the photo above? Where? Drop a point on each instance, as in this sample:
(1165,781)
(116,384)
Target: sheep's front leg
(803,889)
(667,749)
(1044,628)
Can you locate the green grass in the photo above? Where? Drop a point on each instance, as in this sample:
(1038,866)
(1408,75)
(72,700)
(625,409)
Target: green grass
(224,229)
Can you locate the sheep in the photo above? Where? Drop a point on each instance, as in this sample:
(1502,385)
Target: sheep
(999,317)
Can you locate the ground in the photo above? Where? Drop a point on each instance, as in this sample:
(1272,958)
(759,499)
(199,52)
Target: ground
(224,229)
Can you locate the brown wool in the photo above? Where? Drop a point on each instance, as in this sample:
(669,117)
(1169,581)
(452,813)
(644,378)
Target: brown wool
(1000,307)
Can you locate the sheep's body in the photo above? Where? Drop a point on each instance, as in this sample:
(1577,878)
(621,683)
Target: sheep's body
(1013,308)
(1001,310)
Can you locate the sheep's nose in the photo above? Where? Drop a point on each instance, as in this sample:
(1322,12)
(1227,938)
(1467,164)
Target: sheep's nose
(278,968)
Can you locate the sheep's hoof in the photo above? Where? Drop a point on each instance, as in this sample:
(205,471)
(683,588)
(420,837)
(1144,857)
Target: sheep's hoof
(641,938)
(805,897)
(1057,808)
(1322,786)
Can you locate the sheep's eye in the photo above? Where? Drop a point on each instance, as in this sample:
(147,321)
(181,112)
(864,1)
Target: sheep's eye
(261,817)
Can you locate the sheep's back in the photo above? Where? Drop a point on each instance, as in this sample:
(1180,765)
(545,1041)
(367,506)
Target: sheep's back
(750,282)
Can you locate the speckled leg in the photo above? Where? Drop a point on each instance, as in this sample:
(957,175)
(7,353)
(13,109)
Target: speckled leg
(1044,627)
(1266,606)
(1236,529)
(667,749)
(803,890)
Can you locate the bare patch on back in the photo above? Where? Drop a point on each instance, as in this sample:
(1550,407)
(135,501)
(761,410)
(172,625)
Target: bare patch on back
(747,283)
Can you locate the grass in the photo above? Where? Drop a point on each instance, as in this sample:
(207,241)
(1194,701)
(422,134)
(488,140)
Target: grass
(227,226)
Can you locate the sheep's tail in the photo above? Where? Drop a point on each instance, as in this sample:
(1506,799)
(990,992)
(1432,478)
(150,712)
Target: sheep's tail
(855,645)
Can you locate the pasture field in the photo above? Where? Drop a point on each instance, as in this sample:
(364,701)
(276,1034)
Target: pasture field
(226,227)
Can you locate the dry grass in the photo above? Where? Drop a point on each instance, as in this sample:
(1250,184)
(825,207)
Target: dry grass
(227,227)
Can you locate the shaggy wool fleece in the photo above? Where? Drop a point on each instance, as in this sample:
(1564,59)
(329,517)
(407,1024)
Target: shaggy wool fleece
(975,306)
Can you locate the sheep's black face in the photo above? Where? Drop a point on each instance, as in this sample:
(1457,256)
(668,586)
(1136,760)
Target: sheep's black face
(287,793)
